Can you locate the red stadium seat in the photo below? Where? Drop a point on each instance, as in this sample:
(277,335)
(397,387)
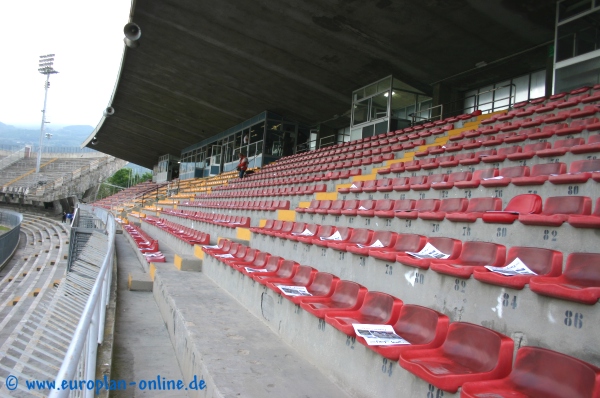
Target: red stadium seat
(469,353)
(422,327)
(580,172)
(540,174)
(579,282)
(449,205)
(474,255)
(539,372)
(525,204)
(560,147)
(541,261)
(557,210)
(359,236)
(593,145)
(404,243)
(476,208)
(303,276)
(377,308)
(505,176)
(478,175)
(586,221)
(348,296)
(448,246)
(399,205)
(322,286)
(344,235)
(380,240)
(452,178)
(423,205)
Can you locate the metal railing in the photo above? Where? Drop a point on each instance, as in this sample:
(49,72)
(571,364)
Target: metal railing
(9,240)
(80,360)
(12,158)
(512,94)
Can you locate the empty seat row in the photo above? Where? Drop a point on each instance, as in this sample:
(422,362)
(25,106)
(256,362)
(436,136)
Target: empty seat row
(146,245)
(223,220)
(526,208)
(473,357)
(188,235)
(456,258)
(262,205)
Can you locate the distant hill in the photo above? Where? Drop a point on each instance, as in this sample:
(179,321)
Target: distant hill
(64,136)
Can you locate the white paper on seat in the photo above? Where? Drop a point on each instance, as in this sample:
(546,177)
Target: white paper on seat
(376,244)
(306,232)
(294,290)
(493,178)
(250,270)
(212,247)
(516,267)
(378,334)
(362,208)
(429,251)
(227,255)
(353,186)
(335,236)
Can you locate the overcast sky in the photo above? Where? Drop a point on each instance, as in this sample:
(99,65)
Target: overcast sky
(87,38)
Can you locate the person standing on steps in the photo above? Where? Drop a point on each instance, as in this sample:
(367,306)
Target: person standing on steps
(64,217)
(242,165)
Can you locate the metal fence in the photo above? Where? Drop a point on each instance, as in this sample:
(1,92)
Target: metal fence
(93,268)
(10,239)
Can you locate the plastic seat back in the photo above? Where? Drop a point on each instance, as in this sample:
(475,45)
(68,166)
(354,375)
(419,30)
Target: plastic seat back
(417,180)
(404,204)
(324,204)
(477,205)
(539,146)
(514,171)
(541,261)
(454,205)
(386,238)
(360,236)
(485,173)
(582,166)
(447,245)
(286,269)
(346,293)
(545,169)
(287,227)
(299,227)
(322,283)
(427,205)
(378,305)
(481,252)
(272,263)
(325,231)
(351,204)
(421,325)
(460,176)
(337,205)
(525,204)
(410,243)
(383,205)
(437,178)
(367,204)
(583,268)
(472,346)
(303,274)
(568,143)
(568,205)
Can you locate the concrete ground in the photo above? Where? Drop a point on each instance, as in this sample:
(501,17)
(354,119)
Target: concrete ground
(142,347)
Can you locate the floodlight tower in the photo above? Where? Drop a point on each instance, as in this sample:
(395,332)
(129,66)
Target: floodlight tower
(45,68)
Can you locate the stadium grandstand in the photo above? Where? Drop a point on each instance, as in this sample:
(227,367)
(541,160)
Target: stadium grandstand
(419,216)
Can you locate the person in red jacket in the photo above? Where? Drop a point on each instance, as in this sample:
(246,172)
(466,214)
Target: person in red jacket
(243,165)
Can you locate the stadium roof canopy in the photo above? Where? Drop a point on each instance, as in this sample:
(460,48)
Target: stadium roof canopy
(204,66)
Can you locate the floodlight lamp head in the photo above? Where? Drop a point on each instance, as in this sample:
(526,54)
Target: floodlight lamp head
(94,140)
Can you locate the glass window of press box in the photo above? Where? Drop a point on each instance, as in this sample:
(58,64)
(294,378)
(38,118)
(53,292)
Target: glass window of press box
(577,54)
(385,105)
(503,95)
(263,139)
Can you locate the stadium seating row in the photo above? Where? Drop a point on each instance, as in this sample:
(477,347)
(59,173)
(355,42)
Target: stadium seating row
(474,358)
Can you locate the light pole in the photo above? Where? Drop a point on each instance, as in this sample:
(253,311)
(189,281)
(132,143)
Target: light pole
(45,68)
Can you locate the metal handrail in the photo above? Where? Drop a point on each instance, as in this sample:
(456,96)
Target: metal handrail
(512,95)
(90,328)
